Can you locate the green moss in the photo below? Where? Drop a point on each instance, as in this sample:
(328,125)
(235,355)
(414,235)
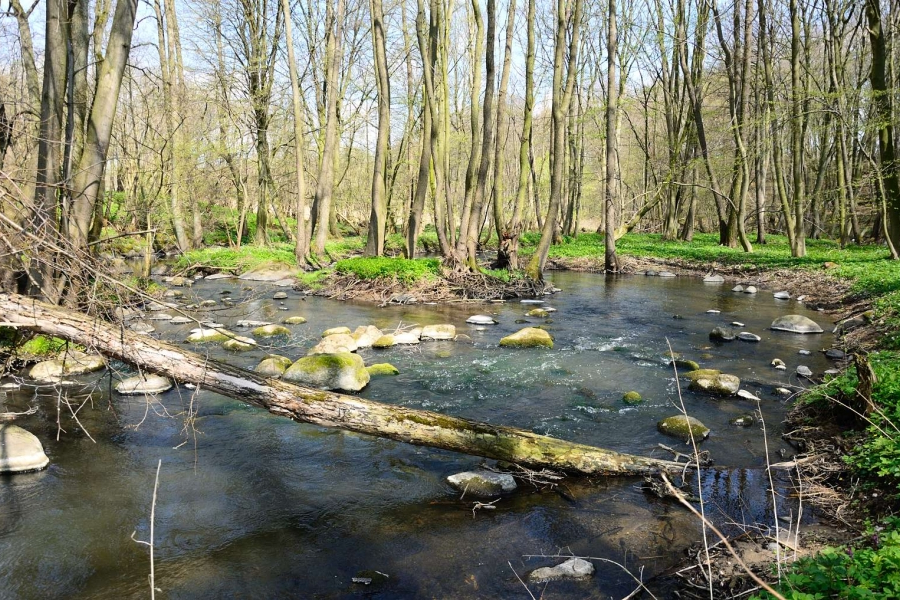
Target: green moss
(702,374)
(684,364)
(632,398)
(239,260)
(41,346)
(378,267)
(683,427)
(529,337)
(382,369)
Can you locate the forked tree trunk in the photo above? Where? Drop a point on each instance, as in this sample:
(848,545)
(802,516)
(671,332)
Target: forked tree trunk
(323,408)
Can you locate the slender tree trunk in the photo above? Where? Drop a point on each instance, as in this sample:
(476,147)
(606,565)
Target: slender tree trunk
(498,190)
(611,260)
(378,217)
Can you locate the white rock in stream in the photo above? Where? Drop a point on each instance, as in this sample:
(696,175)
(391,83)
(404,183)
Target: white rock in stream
(249,323)
(439,332)
(482,483)
(365,335)
(334,344)
(148,384)
(750,289)
(782,296)
(181,320)
(20,450)
(531,301)
(747,395)
(160,317)
(713,279)
(804,371)
(795,324)
(481,320)
(410,336)
(746,336)
(574,568)
(215,276)
(737,288)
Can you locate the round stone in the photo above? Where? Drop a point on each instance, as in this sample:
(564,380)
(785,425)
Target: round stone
(147,384)
(20,450)
(795,324)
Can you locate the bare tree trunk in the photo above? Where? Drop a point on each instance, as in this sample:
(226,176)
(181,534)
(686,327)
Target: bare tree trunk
(324,408)
(378,217)
(611,261)
(497,193)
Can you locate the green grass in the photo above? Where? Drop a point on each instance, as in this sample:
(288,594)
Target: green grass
(42,346)
(245,258)
(402,269)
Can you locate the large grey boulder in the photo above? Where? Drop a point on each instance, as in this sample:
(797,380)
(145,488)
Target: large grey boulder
(338,371)
(146,384)
(720,334)
(20,450)
(70,362)
(796,324)
(682,427)
(722,384)
(332,344)
(482,483)
(408,336)
(272,273)
(574,568)
(273,365)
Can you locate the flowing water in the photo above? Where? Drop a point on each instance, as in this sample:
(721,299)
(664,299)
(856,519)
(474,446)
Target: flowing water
(251,505)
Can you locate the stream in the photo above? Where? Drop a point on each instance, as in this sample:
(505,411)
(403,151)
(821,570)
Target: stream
(251,505)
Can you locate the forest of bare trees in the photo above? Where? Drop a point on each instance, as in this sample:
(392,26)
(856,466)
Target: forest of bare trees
(248,121)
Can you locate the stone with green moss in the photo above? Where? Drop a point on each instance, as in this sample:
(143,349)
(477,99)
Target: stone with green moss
(295,320)
(685,364)
(702,374)
(365,335)
(382,369)
(385,341)
(537,312)
(742,421)
(720,385)
(632,398)
(239,344)
(439,332)
(529,337)
(340,371)
(200,336)
(273,365)
(483,483)
(271,330)
(683,427)
(68,362)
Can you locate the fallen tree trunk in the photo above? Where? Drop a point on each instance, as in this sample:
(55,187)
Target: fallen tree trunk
(423,428)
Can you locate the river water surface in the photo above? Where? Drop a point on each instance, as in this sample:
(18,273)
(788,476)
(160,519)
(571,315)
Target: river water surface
(252,505)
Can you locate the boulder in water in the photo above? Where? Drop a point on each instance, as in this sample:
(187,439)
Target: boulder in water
(481,320)
(483,483)
(144,384)
(385,341)
(295,320)
(804,371)
(337,371)
(529,337)
(713,279)
(746,336)
(687,365)
(279,296)
(273,365)
(702,374)
(251,323)
(439,332)
(181,320)
(332,344)
(722,384)
(239,343)
(782,295)
(574,568)
(199,336)
(335,331)
(382,369)
(742,421)
(737,288)
(666,274)
(142,328)
(720,334)
(835,354)
(744,394)
(408,336)
(750,289)
(538,313)
(20,450)
(683,427)
(271,330)
(795,324)
(632,398)
(365,335)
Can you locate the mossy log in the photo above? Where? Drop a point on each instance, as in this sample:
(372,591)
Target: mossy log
(329,409)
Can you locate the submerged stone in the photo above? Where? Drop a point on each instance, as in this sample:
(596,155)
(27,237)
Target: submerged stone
(682,363)
(538,313)
(239,343)
(720,334)
(295,320)
(201,335)
(144,384)
(746,336)
(742,421)
(337,371)
(20,450)
(336,331)
(439,332)
(409,336)
(181,320)
(483,483)
(683,427)
(574,568)
(529,337)
(796,324)
(339,342)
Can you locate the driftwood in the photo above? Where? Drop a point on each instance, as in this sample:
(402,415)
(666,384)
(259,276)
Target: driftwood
(423,428)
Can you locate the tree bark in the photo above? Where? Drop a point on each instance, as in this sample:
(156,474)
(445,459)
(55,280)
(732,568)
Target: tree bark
(611,261)
(324,408)
(378,216)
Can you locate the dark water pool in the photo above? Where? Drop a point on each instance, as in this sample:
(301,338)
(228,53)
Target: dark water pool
(255,506)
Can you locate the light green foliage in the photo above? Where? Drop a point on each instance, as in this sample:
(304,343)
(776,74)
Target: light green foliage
(240,259)
(405,270)
(41,346)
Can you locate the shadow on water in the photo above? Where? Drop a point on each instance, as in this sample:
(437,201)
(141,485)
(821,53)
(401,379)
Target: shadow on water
(253,505)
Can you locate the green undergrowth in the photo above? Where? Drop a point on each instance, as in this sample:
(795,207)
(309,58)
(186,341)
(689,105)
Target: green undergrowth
(239,260)
(867,569)
(405,270)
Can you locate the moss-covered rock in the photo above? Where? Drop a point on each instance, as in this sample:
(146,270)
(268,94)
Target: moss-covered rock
(539,313)
(529,337)
(632,398)
(721,334)
(385,341)
(201,335)
(382,369)
(702,374)
(68,362)
(273,365)
(721,385)
(684,364)
(332,344)
(295,320)
(336,331)
(742,421)
(271,330)
(239,343)
(482,483)
(339,371)
(682,427)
